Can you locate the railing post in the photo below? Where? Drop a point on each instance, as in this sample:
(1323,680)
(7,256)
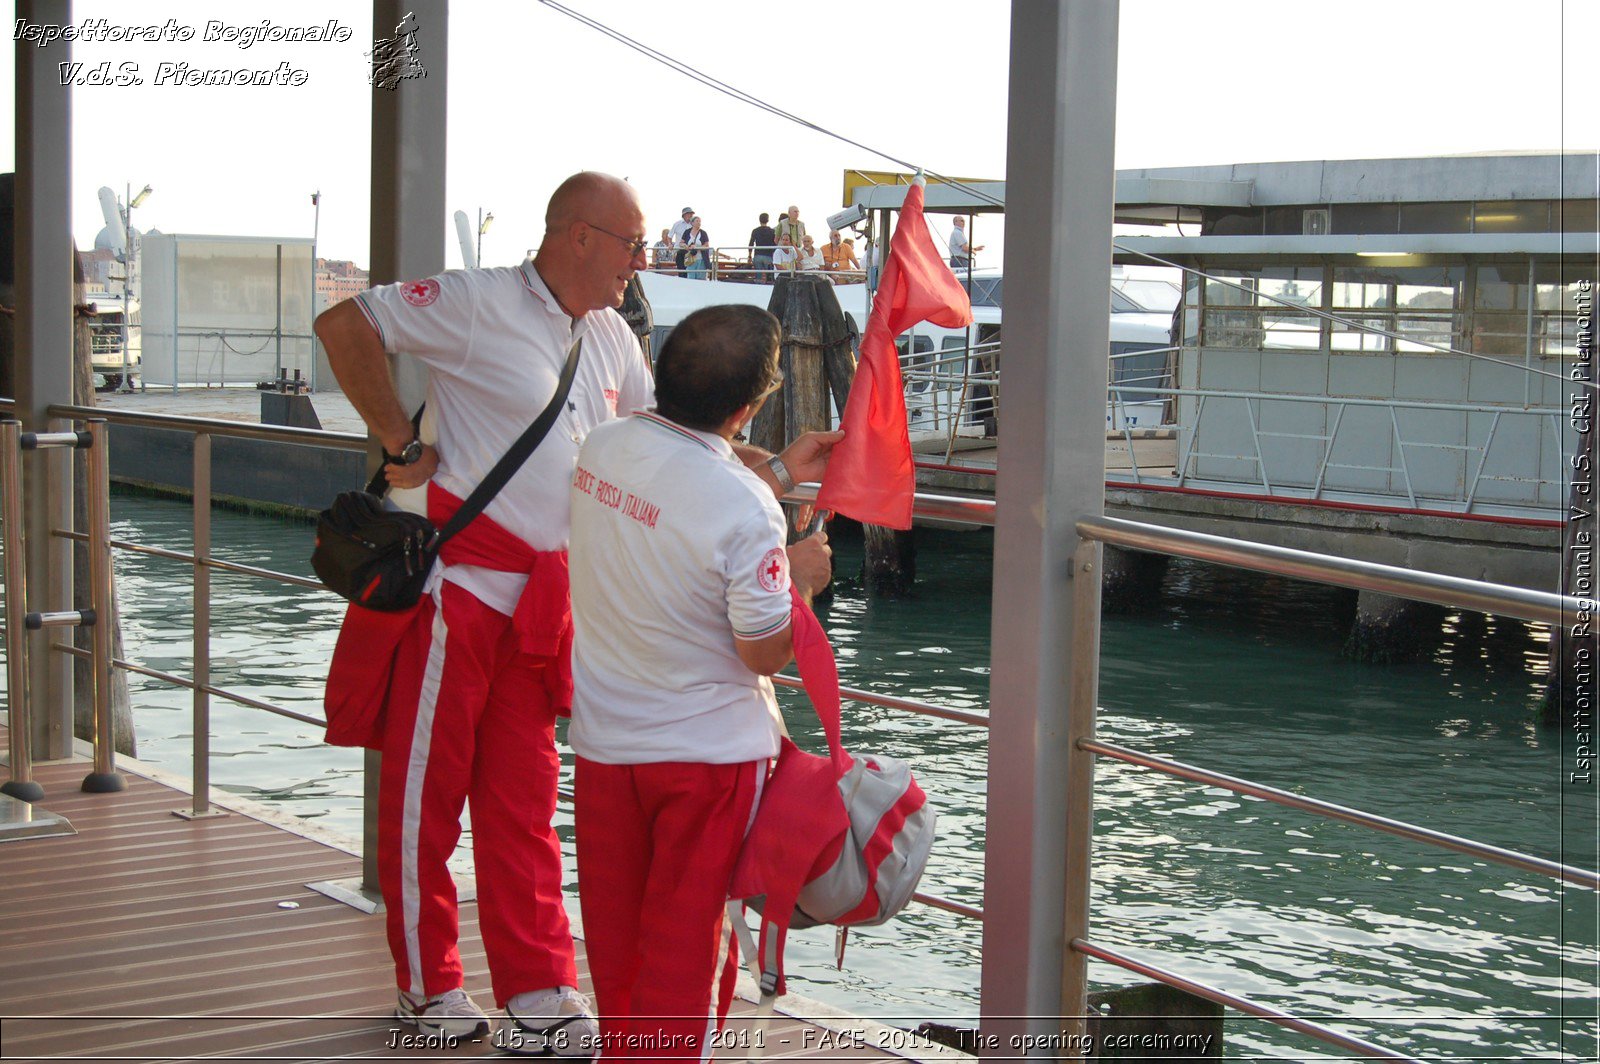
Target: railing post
(1052,439)
(22,785)
(1083,686)
(104,778)
(200,804)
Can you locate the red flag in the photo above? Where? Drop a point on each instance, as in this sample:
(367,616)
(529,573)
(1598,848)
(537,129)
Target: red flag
(870,476)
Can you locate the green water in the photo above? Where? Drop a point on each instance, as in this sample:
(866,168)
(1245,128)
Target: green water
(1416,948)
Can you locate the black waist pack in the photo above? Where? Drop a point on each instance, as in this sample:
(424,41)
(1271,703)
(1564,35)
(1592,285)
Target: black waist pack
(379,558)
(374,557)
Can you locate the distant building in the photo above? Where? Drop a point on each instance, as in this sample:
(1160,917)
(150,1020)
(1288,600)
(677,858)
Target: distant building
(338,280)
(98,267)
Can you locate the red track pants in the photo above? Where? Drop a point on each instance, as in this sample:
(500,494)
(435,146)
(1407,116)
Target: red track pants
(479,727)
(656,849)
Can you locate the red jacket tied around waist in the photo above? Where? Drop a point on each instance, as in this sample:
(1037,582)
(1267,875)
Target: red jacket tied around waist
(358,677)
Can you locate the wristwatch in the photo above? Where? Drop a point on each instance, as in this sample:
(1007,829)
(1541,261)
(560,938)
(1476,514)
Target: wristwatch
(409,454)
(781,471)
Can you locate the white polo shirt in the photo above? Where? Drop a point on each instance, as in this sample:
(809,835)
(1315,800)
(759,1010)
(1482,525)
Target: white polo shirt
(494,342)
(677,551)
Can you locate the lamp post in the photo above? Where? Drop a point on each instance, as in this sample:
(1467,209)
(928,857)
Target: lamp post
(130,264)
(484,221)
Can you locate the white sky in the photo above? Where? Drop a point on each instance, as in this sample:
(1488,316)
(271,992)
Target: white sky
(535,96)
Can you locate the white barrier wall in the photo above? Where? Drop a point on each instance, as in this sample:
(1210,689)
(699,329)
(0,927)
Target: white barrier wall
(225,309)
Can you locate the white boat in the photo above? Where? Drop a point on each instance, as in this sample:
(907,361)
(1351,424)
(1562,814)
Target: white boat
(950,374)
(110,328)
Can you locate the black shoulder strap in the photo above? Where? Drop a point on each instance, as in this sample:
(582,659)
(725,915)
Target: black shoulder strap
(512,460)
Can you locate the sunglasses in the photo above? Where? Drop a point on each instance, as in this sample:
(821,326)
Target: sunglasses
(635,247)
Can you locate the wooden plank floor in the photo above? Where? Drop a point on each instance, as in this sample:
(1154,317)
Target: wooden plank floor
(146,937)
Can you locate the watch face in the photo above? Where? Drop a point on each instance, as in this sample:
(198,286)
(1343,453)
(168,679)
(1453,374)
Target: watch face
(411,452)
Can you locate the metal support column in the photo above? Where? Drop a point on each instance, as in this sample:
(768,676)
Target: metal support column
(43,352)
(104,778)
(200,802)
(1059,175)
(21,785)
(408,228)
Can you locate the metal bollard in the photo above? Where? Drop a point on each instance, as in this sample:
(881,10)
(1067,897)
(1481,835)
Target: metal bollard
(104,778)
(21,785)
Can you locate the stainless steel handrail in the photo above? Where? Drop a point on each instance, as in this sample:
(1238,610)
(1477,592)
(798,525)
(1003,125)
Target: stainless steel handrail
(1326,569)
(940,507)
(1578,876)
(909,705)
(210,563)
(244,430)
(1245,1005)
(189,685)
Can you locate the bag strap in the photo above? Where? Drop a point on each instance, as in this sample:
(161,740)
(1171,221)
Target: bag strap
(766,984)
(819,672)
(512,460)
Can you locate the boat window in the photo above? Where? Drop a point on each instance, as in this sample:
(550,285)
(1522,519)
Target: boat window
(983,291)
(1577,216)
(1435,217)
(1500,317)
(1121,304)
(1421,302)
(1512,216)
(1259,308)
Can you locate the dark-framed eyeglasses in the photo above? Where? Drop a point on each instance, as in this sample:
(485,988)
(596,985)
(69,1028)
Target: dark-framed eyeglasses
(635,247)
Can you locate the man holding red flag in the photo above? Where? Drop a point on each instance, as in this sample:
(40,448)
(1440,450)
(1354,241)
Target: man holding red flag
(870,476)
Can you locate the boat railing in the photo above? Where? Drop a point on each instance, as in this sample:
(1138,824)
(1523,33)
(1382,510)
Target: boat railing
(735,262)
(1093,533)
(1474,431)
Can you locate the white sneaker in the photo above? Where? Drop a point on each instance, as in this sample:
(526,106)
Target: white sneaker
(550,1023)
(451,1015)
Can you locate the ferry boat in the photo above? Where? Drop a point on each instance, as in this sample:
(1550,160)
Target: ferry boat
(115,349)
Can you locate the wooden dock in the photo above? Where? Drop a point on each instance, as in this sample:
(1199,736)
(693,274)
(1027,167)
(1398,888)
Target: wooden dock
(148,937)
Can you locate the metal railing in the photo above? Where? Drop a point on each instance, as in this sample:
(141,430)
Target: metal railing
(202,561)
(1094,532)
(1314,483)
(736,262)
(103,776)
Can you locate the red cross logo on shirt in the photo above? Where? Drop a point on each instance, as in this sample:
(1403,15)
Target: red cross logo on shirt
(420,293)
(773,572)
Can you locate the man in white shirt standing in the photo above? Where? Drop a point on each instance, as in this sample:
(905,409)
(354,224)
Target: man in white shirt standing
(681,604)
(680,227)
(960,252)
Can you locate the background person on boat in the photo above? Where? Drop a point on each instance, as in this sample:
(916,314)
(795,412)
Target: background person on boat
(839,254)
(791,226)
(763,238)
(810,257)
(680,227)
(664,253)
(784,258)
(697,253)
(484,667)
(960,252)
(673,718)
